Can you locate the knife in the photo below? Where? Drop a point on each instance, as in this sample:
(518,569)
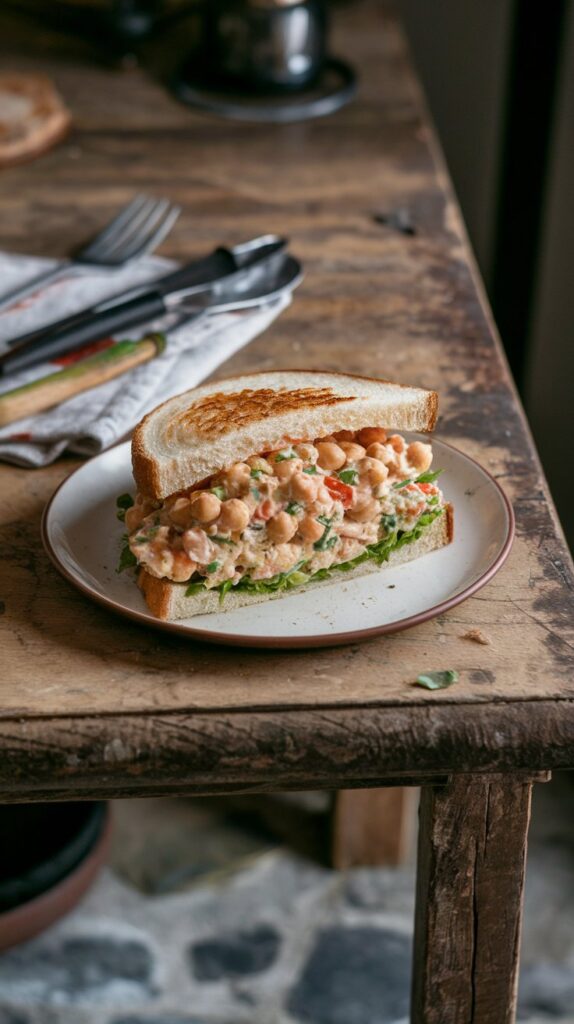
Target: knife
(240,267)
(42,394)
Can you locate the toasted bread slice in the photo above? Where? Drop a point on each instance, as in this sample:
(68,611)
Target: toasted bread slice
(196,434)
(168,601)
(32,117)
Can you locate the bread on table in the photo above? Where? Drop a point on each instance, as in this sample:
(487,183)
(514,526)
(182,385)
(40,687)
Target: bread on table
(33,117)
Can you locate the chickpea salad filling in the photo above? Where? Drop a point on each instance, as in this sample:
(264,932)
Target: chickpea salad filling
(288,516)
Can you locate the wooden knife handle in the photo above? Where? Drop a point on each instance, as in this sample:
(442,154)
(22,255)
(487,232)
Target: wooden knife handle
(49,391)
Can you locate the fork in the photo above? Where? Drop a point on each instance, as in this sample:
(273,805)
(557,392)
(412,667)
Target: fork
(137,229)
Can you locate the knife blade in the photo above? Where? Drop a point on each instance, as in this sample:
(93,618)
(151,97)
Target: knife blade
(239,267)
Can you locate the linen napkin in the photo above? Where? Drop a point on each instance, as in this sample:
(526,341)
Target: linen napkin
(92,421)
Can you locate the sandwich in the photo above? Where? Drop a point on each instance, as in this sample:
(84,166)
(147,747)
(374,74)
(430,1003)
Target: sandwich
(259,486)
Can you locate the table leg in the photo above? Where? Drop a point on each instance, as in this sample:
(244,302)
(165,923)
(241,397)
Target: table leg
(471,858)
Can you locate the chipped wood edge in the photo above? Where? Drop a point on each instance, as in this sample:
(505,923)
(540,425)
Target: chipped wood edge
(141,755)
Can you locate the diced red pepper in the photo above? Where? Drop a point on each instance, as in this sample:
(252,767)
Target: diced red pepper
(340,491)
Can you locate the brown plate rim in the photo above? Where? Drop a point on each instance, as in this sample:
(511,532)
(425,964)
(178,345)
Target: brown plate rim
(287,642)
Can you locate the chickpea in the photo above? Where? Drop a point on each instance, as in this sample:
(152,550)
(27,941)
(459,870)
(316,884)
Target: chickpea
(182,567)
(310,529)
(324,497)
(237,477)
(235,515)
(134,517)
(281,452)
(419,456)
(344,435)
(180,512)
(258,462)
(304,487)
(330,455)
(204,506)
(286,469)
(378,451)
(282,527)
(307,452)
(371,435)
(375,471)
(397,443)
(353,452)
(365,509)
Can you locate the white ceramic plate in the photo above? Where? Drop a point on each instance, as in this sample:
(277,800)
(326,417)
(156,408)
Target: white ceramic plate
(82,537)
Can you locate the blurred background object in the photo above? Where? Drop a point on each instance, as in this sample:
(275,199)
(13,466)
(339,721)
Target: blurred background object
(50,855)
(241,56)
(499,80)
(33,117)
(264,60)
(114,28)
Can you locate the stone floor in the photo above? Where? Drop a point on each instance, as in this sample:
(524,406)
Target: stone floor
(208,915)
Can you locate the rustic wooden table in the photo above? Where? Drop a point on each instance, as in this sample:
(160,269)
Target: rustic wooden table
(93,706)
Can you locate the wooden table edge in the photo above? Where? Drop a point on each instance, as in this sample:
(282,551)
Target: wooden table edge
(215,753)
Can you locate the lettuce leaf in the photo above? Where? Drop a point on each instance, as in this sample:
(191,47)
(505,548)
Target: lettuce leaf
(294,577)
(127,559)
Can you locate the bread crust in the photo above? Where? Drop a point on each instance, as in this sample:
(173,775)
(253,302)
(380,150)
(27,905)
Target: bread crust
(166,600)
(213,425)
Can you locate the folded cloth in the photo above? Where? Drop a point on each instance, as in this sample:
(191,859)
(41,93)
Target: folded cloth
(95,419)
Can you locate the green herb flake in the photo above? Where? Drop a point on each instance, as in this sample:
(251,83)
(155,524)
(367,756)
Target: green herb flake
(348,476)
(219,492)
(389,523)
(429,477)
(311,470)
(223,589)
(437,680)
(293,508)
(256,474)
(325,542)
(284,456)
(403,483)
(433,500)
(222,540)
(212,567)
(297,577)
(194,588)
(141,539)
(293,577)
(124,502)
(127,558)
(256,494)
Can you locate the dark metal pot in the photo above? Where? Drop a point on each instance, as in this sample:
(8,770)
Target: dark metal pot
(49,856)
(263,45)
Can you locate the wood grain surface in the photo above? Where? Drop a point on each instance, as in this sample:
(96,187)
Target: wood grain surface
(374,301)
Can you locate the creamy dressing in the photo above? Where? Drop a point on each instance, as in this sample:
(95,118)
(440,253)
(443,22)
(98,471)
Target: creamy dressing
(313,504)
